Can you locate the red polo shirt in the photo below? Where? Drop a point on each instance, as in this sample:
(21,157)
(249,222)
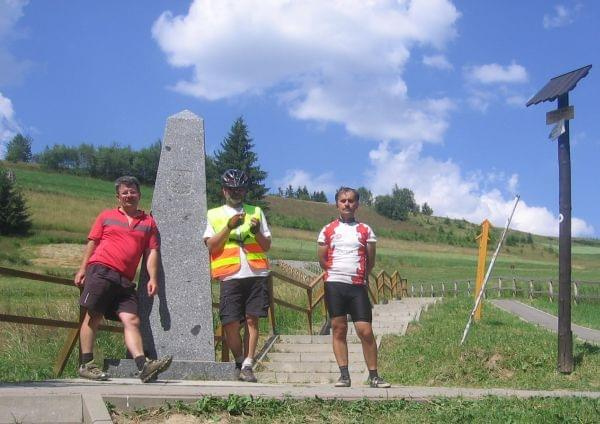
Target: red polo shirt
(120,245)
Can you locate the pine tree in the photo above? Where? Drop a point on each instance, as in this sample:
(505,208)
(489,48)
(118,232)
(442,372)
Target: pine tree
(236,152)
(14,217)
(19,149)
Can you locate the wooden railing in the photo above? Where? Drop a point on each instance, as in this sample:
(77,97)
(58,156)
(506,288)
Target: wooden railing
(73,336)
(382,287)
(511,287)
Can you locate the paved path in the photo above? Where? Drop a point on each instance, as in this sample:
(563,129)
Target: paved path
(544,319)
(165,389)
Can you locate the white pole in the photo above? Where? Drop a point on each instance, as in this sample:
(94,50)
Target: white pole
(489,271)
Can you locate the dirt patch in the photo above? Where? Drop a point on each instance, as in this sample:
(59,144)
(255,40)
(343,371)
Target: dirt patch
(173,419)
(492,363)
(64,255)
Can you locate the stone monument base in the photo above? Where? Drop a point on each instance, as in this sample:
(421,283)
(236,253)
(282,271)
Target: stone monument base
(179,370)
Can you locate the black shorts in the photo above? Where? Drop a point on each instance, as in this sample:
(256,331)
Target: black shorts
(348,299)
(107,292)
(241,297)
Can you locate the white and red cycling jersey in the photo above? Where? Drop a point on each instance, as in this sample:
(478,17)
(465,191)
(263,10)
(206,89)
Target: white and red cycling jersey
(346,251)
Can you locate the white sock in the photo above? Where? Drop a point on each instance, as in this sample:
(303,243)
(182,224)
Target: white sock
(247,363)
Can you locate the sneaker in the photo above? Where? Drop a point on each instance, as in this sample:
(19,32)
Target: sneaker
(379,383)
(247,375)
(343,382)
(153,367)
(91,371)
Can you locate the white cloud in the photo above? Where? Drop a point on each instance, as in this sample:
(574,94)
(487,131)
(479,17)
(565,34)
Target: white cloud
(516,100)
(339,62)
(300,178)
(11,69)
(494,73)
(442,185)
(438,61)
(562,16)
(8,124)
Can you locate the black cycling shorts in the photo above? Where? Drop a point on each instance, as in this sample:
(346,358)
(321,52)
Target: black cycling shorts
(241,297)
(348,299)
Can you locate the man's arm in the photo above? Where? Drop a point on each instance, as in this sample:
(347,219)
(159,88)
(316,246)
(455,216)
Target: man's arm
(371,250)
(217,241)
(322,255)
(89,250)
(263,242)
(152,258)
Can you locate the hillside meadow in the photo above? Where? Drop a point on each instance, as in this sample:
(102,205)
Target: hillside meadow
(63,207)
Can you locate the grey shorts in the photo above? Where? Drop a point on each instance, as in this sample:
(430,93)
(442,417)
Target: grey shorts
(106,292)
(241,297)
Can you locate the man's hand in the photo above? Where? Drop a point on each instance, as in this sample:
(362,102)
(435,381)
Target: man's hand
(79,278)
(254,225)
(152,287)
(236,220)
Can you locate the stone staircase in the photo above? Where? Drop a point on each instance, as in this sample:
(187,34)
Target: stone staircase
(307,359)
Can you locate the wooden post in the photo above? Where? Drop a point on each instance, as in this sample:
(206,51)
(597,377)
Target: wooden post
(499,287)
(69,345)
(565,336)
(309,310)
(514,290)
(483,241)
(271,305)
(550,291)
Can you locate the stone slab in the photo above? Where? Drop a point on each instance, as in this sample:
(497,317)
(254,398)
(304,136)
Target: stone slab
(180,370)
(94,409)
(54,409)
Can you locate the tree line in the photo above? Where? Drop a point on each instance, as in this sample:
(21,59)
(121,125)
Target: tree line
(235,151)
(302,193)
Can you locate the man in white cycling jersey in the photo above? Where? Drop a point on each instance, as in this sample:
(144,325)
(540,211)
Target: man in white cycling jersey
(346,250)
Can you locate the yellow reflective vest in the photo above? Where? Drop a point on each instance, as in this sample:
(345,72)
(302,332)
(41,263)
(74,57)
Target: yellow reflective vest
(226,261)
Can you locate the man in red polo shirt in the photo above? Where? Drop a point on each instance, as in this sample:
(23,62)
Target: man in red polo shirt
(117,241)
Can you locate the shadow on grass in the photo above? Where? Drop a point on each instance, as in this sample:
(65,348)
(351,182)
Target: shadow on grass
(587,349)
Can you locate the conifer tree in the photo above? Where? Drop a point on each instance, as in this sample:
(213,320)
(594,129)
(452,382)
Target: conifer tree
(14,217)
(19,149)
(236,152)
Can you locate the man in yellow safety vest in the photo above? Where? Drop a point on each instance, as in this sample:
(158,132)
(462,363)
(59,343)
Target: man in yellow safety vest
(237,237)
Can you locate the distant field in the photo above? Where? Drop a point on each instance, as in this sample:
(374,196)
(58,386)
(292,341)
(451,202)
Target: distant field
(64,206)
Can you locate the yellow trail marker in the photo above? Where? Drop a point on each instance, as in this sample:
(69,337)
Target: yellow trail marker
(483,242)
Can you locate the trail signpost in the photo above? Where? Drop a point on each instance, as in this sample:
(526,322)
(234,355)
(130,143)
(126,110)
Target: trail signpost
(558,88)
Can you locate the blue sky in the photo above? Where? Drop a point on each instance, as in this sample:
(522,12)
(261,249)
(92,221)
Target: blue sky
(426,94)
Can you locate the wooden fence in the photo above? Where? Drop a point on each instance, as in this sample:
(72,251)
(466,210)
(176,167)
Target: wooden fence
(582,291)
(385,287)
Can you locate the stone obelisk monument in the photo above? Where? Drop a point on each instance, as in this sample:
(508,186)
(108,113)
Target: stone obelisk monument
(178,321)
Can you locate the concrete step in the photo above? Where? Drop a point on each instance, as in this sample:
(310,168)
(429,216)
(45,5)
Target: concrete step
(381,330)
(310,366)
(318,348)
(326,339)
(307,377)
(310,357)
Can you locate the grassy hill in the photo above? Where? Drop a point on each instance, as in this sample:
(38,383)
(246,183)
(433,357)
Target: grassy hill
(421,248)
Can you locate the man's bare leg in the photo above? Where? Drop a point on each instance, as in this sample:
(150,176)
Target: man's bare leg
(132,334)
(88,330)
(339,329)
(364,330)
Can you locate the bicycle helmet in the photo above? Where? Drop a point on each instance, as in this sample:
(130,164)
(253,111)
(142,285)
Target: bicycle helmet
(234,178)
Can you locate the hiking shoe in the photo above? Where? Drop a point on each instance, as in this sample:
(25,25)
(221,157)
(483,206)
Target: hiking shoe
(247,375)
(153,367)
(343,382)
(379,383)
(91,371)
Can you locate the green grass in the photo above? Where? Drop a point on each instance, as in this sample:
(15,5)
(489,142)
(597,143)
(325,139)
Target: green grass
(585,314)
(259,410)
(500,351)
